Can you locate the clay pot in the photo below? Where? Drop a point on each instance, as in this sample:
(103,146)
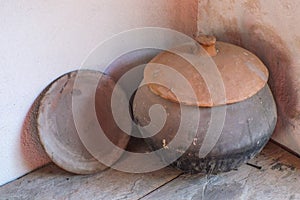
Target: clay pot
(246,109)
(56,122)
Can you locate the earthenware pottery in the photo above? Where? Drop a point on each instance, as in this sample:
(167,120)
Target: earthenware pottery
(216,103)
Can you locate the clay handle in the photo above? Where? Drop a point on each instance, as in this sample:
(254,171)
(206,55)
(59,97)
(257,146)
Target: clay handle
(208,42)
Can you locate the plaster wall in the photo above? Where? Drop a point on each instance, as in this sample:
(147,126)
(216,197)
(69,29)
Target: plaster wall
(271,30)
(41,40)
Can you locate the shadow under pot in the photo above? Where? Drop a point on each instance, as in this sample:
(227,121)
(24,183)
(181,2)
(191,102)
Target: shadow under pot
(207,107)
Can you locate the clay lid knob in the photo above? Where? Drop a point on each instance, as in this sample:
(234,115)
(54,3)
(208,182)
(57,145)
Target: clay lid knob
(208,42)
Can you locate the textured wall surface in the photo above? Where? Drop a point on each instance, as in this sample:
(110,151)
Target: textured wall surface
(271,30)
(40,40)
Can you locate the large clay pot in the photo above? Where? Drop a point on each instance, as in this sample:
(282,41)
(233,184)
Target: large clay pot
(250,111)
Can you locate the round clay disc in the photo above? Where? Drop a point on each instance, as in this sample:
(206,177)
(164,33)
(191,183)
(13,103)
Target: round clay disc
(56,128)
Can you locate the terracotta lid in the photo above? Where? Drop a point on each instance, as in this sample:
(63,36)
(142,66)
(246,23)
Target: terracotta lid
(56,124)
(218,73)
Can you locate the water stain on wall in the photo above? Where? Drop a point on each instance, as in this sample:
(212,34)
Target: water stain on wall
(32,150)
(251,24)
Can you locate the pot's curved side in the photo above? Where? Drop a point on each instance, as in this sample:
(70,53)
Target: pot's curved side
(247,128)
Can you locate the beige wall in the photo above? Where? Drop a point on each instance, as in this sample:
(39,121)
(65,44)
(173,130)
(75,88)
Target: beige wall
(270,29)
(40,40)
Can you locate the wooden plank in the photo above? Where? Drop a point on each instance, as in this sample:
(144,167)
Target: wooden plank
(278,179)
(51,182)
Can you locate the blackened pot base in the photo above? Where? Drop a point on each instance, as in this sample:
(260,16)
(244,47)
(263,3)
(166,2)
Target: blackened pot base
(215,165)
(248,126)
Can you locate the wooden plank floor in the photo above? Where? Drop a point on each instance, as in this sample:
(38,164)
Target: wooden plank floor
(277,179)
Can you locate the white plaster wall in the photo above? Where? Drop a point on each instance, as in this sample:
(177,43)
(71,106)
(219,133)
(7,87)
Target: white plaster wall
(40,40)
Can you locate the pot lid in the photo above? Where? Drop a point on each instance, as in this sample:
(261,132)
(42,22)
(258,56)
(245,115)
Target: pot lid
(56,123)
(223,73)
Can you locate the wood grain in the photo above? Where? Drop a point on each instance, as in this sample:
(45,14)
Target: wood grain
(278,179)
(53,183)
